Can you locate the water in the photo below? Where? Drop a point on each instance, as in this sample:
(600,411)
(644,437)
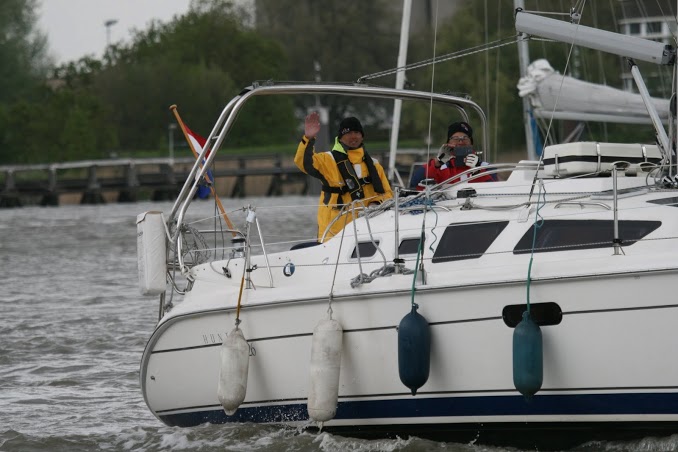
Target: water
(73,327)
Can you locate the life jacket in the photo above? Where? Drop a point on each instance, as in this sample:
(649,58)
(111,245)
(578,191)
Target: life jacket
(352,183)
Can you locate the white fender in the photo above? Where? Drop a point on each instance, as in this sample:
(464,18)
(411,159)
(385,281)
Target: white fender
(235,356)
(151,252)
(323,393)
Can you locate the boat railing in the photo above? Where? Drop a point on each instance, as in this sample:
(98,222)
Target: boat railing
(185,258)
(422,201)
(462,178)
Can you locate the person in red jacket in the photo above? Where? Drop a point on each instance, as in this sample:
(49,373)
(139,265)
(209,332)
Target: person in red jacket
(446,165)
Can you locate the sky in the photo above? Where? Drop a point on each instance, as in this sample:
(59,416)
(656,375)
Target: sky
(75,28)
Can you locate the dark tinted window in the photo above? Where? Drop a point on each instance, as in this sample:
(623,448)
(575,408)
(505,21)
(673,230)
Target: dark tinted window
(673,201)
(367,249)
(653,27)
(409,246)
(566,235)
(467,241)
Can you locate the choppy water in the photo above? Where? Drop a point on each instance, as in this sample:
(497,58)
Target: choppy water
(73,327)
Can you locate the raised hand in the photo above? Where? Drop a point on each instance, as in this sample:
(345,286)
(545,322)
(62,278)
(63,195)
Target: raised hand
(444,155)
(312,125)
(471,160)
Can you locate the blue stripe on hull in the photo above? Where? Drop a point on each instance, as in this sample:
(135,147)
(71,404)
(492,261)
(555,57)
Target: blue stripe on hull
(512,405)
(558,404)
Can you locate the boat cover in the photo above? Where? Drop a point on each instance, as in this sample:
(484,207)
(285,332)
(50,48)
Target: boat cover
(569,98)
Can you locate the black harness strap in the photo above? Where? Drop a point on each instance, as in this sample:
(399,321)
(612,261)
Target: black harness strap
(352,183)
(374,174)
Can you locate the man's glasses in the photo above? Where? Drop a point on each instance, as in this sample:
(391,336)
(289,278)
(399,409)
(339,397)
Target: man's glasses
(459,139)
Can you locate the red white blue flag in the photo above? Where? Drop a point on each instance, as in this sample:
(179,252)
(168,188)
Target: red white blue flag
(197,142)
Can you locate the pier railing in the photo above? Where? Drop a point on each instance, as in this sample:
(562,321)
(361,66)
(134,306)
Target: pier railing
(158,179)
(127,180)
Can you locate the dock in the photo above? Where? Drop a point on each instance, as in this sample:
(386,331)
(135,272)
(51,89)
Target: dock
(157,179)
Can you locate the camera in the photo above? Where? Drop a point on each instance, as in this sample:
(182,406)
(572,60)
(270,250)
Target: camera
(459,153)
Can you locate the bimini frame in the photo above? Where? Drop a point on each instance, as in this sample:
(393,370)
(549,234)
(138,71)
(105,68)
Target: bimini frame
(231,110)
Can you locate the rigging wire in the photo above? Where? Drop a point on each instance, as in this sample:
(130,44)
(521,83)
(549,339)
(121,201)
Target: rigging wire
(601,67)
(487,73)
(555,105)
(422,236)
(447,57)
(495,119)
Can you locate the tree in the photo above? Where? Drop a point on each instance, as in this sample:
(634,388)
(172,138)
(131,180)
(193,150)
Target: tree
(23,50)
(23,65)
(343,39)
(197,61)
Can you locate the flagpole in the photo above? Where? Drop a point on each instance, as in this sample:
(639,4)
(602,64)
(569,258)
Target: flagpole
(211,182)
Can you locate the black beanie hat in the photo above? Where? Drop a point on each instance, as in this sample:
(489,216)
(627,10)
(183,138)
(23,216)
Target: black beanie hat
(463,127)
(350,124)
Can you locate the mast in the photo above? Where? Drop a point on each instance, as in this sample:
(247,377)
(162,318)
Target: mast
(673,124)
(524,61)
(400,82)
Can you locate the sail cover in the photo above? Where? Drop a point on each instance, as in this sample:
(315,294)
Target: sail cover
(551,93)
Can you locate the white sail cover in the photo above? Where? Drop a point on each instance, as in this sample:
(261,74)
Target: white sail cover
(565,97)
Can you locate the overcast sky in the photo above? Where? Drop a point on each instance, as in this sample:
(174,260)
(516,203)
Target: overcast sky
(75,28)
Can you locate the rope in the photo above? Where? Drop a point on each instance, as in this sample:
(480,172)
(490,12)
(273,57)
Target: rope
(386,270)
(416,267)
(334,276)
(538,222)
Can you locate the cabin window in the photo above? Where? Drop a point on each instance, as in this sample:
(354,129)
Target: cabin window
(567,235)
(409,246)
(467,240)
(367,249)
(634,29)
(652,28)
(671,202)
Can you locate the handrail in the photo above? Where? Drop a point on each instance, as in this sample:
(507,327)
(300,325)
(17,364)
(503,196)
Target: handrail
(490,169)
(230,112)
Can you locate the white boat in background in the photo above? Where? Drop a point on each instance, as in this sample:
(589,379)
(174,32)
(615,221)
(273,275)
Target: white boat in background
(584,241)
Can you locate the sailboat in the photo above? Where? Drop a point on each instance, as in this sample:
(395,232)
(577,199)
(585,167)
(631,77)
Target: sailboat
(535,311)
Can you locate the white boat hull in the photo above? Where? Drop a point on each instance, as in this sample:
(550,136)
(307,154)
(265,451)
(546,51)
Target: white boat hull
(608,361)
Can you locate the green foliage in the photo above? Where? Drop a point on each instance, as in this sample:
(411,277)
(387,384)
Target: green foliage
(342,40)
(198,61)
(23,57)
(488,77)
